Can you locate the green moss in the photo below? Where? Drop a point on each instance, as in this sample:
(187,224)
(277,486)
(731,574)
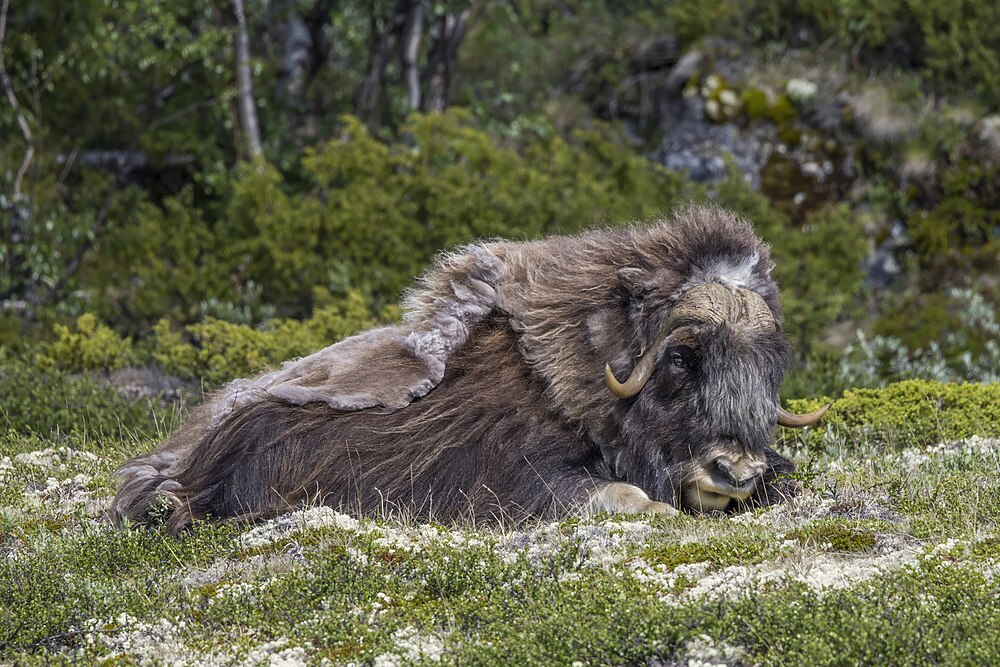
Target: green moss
(755,103)
(740,548)
(782,111)
(838,535)
(914,412)
(986,549)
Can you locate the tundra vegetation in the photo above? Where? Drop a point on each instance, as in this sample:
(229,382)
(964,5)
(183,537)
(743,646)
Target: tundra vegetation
(191,192)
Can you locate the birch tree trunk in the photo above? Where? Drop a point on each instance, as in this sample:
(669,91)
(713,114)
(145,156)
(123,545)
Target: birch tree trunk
(8,89)
(411,53)
(15,225)
(244,84)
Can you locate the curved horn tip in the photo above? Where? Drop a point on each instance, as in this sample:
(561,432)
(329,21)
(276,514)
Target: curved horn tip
(792,420)
(617,388)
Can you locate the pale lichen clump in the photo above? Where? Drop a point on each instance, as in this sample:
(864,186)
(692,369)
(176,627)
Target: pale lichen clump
(149,642)
(977,447)
(801,91)
(54,458)
(312,518)
(703,651)
(411,646)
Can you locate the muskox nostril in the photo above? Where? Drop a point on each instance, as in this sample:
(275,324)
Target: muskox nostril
(725,468)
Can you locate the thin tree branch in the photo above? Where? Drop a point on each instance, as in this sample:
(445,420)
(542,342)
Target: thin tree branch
(29,139)
(180,113)
(244,83)
(387,44)
(440,68)
(70,161)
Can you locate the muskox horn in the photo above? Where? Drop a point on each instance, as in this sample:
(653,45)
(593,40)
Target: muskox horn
(643,369)
(792,420)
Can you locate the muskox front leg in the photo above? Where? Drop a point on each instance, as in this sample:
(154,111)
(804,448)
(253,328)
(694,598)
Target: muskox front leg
(624,498)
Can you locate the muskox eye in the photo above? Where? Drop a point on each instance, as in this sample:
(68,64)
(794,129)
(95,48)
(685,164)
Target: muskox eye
(677,360)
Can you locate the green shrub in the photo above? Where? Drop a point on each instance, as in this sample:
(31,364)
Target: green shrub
(91,346)
(163,262)
(693,20)
(215,351)
(955,44)
(359,213)
(950,337)
(954,225)
(913,412)
(51,401)
(385,211)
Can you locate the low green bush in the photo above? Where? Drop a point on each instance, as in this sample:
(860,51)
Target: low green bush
(52,401)
(215,351)
(361,213)
(913,412)
(211,351)
(90,346)
(953,44)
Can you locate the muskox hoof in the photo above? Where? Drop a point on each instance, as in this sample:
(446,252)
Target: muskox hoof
(622,498)
(653,507)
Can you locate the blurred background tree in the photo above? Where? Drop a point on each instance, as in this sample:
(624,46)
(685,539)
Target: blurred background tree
(198,176)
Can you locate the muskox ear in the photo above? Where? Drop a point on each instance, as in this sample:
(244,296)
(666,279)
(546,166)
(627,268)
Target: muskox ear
(635,281)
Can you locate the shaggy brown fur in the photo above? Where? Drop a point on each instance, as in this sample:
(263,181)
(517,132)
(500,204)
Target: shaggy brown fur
(489,400)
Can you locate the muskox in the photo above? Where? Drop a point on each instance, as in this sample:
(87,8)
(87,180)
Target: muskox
(499,398)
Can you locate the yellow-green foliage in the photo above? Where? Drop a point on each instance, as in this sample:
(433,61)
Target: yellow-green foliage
(163,262)
(222,350)
(211,350)
(90,345)
(914,412)
(839,535)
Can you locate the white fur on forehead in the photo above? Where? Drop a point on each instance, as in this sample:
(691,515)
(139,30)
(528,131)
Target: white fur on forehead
(733,272)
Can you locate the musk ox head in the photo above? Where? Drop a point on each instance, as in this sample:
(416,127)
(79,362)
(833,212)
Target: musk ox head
(703,399)
(697,376)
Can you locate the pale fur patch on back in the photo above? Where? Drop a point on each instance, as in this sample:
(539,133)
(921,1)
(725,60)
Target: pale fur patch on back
(389,366)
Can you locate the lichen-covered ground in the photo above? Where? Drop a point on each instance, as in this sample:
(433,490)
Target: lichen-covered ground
(890,557)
